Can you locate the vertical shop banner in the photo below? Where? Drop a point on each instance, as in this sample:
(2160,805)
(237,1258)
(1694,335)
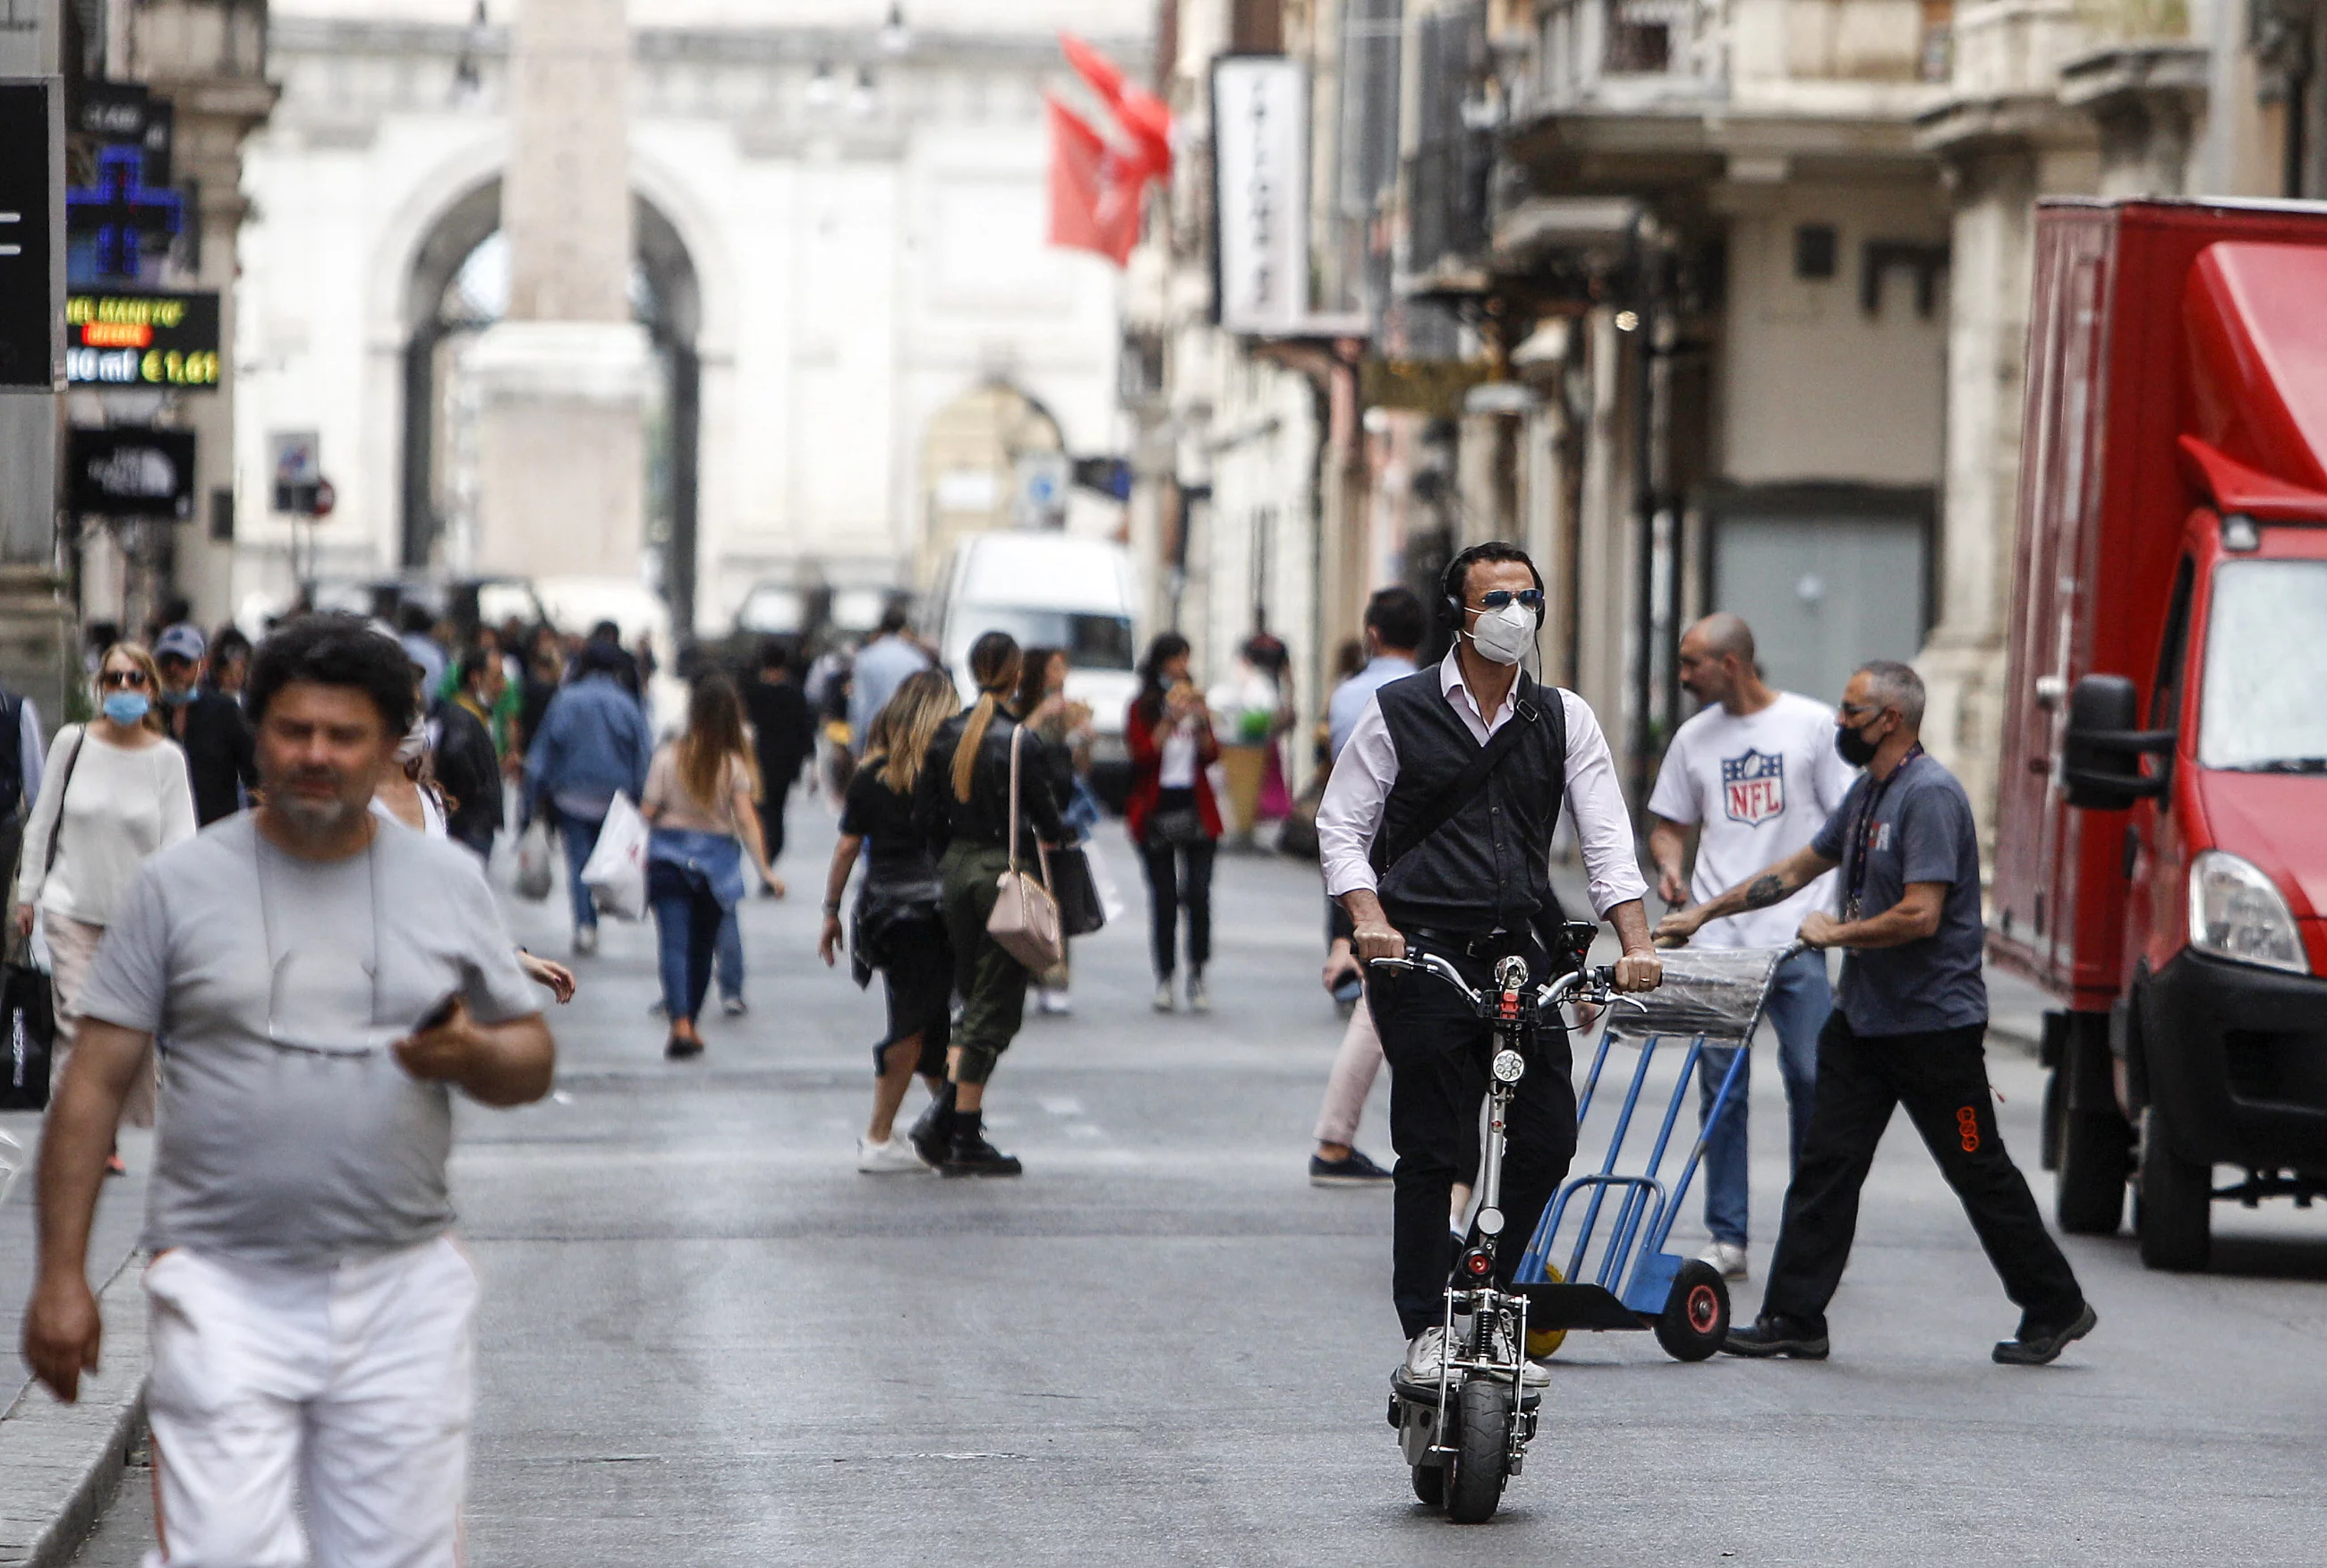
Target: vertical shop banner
(31,248)
(1261,163)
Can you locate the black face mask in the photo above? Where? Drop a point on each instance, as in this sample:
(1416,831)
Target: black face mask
(1856,748)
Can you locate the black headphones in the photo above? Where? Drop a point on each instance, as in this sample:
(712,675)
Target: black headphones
(1450,586)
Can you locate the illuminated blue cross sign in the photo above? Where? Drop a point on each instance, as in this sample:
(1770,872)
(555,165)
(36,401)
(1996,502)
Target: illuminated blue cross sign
(121,212)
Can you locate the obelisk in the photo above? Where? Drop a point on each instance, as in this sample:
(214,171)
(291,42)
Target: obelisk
(564,376)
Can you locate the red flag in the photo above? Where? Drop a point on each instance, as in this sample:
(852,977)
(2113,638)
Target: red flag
(1094,191)
(1143,116)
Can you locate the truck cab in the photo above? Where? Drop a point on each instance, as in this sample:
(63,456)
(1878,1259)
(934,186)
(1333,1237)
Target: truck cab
(2162,830)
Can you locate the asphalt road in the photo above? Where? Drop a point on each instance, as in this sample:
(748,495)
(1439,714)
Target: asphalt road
(708,1340)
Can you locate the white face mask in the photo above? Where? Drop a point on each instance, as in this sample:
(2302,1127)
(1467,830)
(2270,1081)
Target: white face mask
(414,741)
(1505,635)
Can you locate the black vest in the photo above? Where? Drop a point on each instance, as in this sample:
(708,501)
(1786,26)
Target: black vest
(1488,866)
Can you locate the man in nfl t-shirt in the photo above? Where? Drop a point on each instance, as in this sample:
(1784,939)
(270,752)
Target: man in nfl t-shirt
(1754,771)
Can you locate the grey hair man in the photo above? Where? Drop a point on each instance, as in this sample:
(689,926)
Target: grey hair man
(1908,1029)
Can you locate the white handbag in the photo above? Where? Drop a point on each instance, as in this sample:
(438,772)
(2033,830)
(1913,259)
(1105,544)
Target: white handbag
(1025,919)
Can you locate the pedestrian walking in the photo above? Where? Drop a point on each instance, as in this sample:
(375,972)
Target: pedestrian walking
(208,725)
(965,803)
(1395,626)
(1064,726)
(327,980)
(463,755)
(23,761)
(593,744)
(117,794)
(1908,1030)
(880,668)
(1252,707)
(1755,772)
(699,802)
(230,662)
(783,736)
(1436,833)
(900,920)
(1174,821)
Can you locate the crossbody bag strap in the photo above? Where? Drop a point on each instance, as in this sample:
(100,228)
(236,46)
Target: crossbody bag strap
(56,829)
(1462,789)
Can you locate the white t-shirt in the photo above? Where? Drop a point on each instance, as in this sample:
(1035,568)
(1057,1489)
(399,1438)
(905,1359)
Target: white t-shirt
(1759,789)
(108,807)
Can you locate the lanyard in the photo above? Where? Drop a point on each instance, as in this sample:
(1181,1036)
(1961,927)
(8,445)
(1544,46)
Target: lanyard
(1862,835)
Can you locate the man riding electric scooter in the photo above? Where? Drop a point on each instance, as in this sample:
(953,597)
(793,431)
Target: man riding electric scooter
(1435,834)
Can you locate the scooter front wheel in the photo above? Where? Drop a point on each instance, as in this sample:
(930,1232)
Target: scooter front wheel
(1482,1452)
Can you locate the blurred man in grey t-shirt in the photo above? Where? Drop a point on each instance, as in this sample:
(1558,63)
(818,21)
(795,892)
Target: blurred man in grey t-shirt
(325,979)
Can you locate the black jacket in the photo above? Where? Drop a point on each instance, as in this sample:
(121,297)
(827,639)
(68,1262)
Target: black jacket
(216,735)
(782,732)
(470,774)
(985,817)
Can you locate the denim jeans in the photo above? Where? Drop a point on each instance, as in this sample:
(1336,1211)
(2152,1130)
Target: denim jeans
(730,965)
(1799,1002)
(579,834)
(687,916)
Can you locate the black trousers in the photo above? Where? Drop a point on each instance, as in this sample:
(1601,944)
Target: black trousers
(777,797)
(1438,1052)
(1941,1077)
(1177,877)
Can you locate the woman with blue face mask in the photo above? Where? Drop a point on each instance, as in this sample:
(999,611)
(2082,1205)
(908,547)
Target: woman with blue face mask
(115,792)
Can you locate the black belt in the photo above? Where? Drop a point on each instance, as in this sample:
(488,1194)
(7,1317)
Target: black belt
(1473,943)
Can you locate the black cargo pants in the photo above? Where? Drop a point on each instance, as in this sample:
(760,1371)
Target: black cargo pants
(1941,1077)
(1439,1051)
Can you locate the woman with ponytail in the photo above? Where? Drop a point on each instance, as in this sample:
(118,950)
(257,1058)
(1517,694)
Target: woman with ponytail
(961,803)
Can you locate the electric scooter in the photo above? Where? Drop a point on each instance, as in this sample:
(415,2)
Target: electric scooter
(1466,1433)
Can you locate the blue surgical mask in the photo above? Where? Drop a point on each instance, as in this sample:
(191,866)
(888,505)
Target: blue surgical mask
(125,708)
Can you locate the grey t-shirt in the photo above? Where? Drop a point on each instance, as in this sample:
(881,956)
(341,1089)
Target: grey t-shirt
(227,945)
(1922,831)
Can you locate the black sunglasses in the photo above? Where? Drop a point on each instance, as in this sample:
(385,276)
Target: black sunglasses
(118,679)
(1525,597)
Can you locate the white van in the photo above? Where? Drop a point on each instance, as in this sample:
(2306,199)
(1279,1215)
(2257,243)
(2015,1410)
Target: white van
(1050,590)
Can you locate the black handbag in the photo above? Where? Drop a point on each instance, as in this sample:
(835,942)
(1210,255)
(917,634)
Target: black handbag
(1182,829)
(28,1034)
(1079,911)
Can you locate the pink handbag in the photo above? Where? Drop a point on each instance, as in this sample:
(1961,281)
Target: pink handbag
(1025,919)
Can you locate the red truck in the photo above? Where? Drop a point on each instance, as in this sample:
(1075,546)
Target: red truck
(2161,831)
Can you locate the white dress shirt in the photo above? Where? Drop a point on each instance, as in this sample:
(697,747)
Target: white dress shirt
(1352,812)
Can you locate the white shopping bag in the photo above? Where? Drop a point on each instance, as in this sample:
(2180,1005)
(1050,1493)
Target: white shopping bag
(1111,897)
(536,866)
(616,874)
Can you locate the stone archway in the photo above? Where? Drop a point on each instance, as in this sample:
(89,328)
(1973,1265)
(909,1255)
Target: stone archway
(459,286)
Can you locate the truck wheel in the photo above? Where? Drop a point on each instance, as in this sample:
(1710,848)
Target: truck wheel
(2173,1207)
(2096,1156)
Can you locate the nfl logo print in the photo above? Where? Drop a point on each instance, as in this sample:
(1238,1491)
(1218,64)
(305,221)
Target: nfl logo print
(1753,788)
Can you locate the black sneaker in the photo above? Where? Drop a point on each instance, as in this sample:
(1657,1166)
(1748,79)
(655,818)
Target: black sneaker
(1357,1171)
(678,1048)
(2041,1347)
(971,1155)
(1775,1336)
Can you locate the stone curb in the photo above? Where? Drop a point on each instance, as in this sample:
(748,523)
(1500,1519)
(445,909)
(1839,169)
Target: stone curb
(60,1463)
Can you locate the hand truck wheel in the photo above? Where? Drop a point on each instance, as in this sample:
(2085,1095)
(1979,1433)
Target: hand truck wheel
(1482,1452)
(1696,1318)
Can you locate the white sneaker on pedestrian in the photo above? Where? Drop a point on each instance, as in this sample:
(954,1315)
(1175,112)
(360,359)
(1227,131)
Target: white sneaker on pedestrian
(1425,1359)
(1728,1260)
(1057,1003)
(734,1006)
(1199,999)
(1164,1003)
(1533,1374)
(892,1158)
(585,939)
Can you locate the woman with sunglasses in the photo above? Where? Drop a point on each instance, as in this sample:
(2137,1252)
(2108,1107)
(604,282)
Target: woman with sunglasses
(115,792)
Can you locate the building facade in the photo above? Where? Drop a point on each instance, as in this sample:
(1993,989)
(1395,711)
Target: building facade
(840,265)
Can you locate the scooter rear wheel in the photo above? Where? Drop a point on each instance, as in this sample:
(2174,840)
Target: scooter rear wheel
(1482,1452)
(1430,1485)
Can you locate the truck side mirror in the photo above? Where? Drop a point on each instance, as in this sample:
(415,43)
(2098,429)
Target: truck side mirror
(2100,764)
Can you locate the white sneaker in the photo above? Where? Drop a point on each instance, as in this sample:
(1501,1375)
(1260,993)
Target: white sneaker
(892,1158)
(1728,1260)
(1164,1003)
(1057,1003)
(1533,1374)
(1199,999)
(1425,1359)
(585,939)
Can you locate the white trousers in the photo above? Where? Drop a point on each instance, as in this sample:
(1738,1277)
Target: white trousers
(342,1392)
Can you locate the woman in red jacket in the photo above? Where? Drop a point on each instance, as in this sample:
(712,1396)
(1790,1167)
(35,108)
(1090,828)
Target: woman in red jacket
(1173,820)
